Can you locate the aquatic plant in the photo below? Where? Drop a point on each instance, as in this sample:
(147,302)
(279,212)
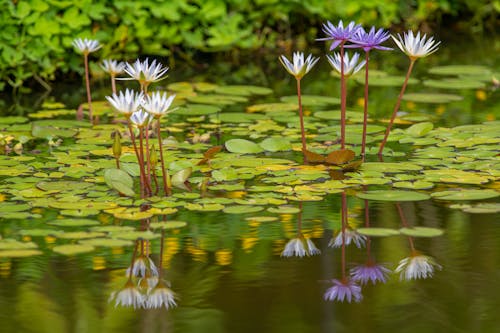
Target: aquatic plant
(339,36)
(370,271)
(145,73)
(298,68)
(415,47)
(417,266)
(113,68)
(300,247)
(86,46)
(345,289)
(368,41)
(158,105)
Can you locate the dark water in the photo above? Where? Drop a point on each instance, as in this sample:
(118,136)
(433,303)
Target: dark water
(228,272)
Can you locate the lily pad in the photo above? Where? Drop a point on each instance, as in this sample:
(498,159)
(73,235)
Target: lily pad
(242,146)
(393,195)
(73,222)
(431,98)
(106,242)
(168,225)
(460,70)
(276,144)
(120,181)
(242,209)
(312,100)
(19,253)
(377,232)
(73,249)
(466,195)
(421,232)
(454,84)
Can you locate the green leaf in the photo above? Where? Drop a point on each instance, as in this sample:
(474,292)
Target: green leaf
(120,181)
(242,146)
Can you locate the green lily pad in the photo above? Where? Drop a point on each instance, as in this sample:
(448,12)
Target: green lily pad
(134,235)
(386,81)
(393,195)
(377,232)
(421,232)
(420,129)
(431,98)
(284,210)
(19,253)
(73,249)
(243,90)
(217,99)
(197,110)
(73,222)
(242,146)
(239,117)
(273,107)
(312,100)
(81,235)
(460,70)
(261,218)
(242,209)
(466,195)
(276,144)
(120,181)
(106,242)
(454,84)
(168,225)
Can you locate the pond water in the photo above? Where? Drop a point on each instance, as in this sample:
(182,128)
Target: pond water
(425,218)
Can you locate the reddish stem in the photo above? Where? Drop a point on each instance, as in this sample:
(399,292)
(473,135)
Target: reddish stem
(344,222)
(137,155)
(301,116)
(113,83)
(365,110)
(396,107)
(163,170)
(405,224)
(343,97)
(87,84)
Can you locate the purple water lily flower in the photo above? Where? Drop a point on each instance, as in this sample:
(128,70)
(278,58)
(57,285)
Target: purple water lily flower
(369,40)
(370,272)
(338,34)
(344,289)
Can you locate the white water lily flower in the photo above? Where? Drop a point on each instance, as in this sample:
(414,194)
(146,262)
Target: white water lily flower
(158,104)
(140,118)
(143,266)
(417,266)
(127,103)
(113,67)
(144,72)
(86,46)
(129,295)
(351,65)
(351,236)
(415,46)
(300,247)
(161,295)
(299,67)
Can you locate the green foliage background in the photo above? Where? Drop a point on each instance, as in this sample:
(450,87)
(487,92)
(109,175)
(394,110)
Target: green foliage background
(36,35)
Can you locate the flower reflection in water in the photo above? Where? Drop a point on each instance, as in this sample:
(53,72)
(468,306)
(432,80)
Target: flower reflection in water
(300,247)
(370,272)
(351,236)
(143,266)
(129,295)
(344,289)
(417,266)
(160,295)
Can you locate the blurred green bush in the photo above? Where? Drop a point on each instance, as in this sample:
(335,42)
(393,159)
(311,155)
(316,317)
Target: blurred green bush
(36,35)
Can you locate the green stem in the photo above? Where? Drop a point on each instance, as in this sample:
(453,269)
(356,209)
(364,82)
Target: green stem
(138,156)
(396,107)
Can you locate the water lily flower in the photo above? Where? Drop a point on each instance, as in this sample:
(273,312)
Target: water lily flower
(86,46)
(416,46)
(351,65)
(126,103)
(113,67)
(145,73)
(140,118)
(129,295)
(351,236)
(142,266)
(338,33)
(158,104)
(299,67)
(370,272)
(417,266)
(161,295)
(369,40)
(300,247)
(344,289)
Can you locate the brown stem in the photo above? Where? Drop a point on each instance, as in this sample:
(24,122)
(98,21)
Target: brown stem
(301,116)
(396,107)
(155,179)
(162,245)
(343,97)
(113,83)
(166,189)
(147,190)
(133,259)
(365,110)
(117,158)
(138,156)
(405,224)
(87,84)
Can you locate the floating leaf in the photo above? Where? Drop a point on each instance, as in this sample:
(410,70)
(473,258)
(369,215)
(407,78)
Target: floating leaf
(73,249)
(276,144)
(386,81)
(377,232)
(19,253)
(168,225)
(420,129)
(242,209)
(431,98)
(340,156)
(312,100)
(454,84)
(284,210)
(120,181)
(242,146)
(466,194)
(393,195)
(421,232)
(106,242)
(243,90)
(460,70)
(73,222)
(273,107)
(313,157)
(180,178)
(261,218)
